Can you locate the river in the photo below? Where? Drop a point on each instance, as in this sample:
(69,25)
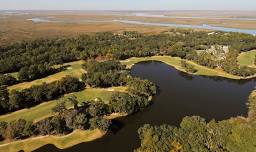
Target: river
(38,20)
(179,95)
(203,26)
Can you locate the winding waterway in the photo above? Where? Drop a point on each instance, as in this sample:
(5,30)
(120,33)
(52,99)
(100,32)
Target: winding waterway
(203,26)
(179,95)
(137,22)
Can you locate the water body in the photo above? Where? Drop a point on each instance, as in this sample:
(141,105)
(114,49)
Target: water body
(41,20)
(53,20)
(191,17)
(179,95)
(14,13)
(214,18)
(203,26)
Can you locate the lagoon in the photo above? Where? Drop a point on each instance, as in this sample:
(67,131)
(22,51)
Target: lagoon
(179,95)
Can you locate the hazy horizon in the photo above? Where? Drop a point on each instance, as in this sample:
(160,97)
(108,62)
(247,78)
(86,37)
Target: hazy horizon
(124,10)
(130,5)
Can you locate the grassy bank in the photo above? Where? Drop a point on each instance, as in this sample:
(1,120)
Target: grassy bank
(247,58)
(176,63)
(45,109)
(61,142)
(73,69)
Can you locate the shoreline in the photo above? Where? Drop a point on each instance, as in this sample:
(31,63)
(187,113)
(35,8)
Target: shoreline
(80,136)
(175,62)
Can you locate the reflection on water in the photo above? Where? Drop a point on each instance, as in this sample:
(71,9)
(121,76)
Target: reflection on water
(179,95)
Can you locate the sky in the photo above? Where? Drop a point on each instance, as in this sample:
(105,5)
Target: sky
(128,5)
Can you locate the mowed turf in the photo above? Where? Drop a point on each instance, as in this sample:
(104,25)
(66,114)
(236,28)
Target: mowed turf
(247,58)
(44,110)
(176,63)
(62,142)
(73,69)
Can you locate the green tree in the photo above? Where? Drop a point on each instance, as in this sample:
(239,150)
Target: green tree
(4,97)
(140,87)
(19,129)
(123,103)
(16,99)
(73,100)
(97,109)
(59,124)
(100,123)
(80,121)
(60,107)
(3,127)
(45,127)
(7,79)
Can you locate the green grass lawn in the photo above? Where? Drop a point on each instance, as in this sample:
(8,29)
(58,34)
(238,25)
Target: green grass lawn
(176,63)
(44,110)
(62,142)
(247,58)
(74,69)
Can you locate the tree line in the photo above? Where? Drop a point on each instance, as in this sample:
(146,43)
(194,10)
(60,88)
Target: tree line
(26,98)
(63,122)
(194,134)
(104,74)
(28,73)
(181,43)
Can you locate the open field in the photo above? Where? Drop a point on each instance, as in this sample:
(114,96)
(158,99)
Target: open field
(15,28)
(27,30)
(44,110)
(247,58)
(62,142)
(176,63)
(74,69)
